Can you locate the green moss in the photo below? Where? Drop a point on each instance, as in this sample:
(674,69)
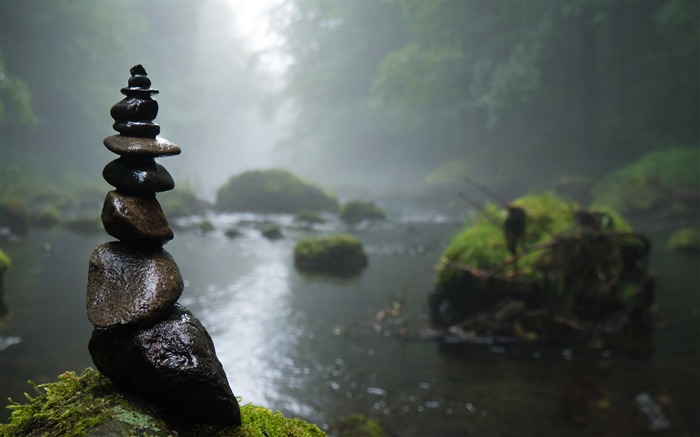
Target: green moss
(330,254)
(14,215)
(89,404)
(272,191)
(358,425)
(356,211)
(85,225)
(570,260)
(684,240)
(47,216)
(310,217)
(181,202)
(5,262)
(650,182)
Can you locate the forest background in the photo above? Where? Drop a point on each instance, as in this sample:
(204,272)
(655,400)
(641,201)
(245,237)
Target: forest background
(396,96)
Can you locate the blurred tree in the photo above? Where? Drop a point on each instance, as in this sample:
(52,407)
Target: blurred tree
(532,90)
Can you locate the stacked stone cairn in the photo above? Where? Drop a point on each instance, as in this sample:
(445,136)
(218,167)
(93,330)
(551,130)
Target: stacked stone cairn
(143,339)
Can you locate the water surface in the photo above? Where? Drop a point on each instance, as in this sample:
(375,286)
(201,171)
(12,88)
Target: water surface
(309,345)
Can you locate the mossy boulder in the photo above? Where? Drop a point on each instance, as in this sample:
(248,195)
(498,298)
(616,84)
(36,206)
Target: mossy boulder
(660,183)
(684,240)
(573,268)
(308,217)
(14,215)
(272,191)
(181,203)
(90,405)
(356,210)
(334,254)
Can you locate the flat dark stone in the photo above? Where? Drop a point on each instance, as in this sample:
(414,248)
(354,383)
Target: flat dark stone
(135,219)
(141,147)
(131,285)
(140,176)
(137,128)
(172,363)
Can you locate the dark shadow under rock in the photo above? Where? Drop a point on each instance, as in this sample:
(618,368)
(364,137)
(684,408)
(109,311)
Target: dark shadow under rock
(173,363)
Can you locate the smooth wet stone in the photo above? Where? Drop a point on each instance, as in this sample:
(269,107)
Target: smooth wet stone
(139,176)
(135,219)
(137,128)
(173,363)
(141,147)
(131,285)
(135,107)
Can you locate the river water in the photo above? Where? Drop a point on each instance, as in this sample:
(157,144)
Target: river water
(310,345)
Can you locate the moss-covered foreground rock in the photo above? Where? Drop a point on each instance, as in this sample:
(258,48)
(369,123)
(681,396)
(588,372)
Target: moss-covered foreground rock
(575,271)
(90,405)
(272,191)
(334,254)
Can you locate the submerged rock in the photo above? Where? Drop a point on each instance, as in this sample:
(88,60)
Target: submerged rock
(130,285)
(173,363)
(335,254)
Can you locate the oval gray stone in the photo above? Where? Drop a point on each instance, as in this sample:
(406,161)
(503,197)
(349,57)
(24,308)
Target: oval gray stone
(173,363)
(138,176)
(130,285)
(135,219)
(141,146)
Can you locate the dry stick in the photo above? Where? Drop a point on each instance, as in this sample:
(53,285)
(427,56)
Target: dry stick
(495,196)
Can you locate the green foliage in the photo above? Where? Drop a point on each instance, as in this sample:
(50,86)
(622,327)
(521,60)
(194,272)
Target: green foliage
(330,254)
(16,97)
(272,191)
(79,404)
(13,214)
(684,240)
(355,211)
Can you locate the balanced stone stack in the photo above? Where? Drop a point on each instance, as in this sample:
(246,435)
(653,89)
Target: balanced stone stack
(143,339)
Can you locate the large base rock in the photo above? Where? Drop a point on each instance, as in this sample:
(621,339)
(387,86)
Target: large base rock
(172,363)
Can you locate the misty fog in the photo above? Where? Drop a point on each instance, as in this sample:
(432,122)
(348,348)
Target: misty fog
(430,109)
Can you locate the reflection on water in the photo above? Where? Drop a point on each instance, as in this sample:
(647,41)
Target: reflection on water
(304,345)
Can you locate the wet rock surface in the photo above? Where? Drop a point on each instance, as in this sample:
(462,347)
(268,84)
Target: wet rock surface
(140,147)
(143,340)
(172,362)
(129,285)
(138,176)
(135,219)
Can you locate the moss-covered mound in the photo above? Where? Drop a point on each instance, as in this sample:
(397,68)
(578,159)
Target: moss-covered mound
(684,240)
(90,405)
(335,254)
(355,211)
(272,191)
(181,203)
(572,270)
(663,182)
